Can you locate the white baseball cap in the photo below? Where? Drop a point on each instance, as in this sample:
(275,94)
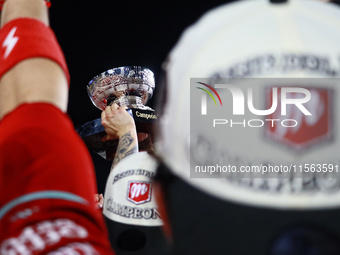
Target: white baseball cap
(130,209)
(129,196)
(254,40)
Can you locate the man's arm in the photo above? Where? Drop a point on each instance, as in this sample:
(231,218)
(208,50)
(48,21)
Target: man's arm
(120,125)
(34,79)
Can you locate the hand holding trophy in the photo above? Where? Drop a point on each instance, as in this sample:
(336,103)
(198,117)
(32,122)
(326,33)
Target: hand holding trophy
(129,86)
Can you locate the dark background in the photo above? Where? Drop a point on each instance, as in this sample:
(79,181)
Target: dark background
(101,34)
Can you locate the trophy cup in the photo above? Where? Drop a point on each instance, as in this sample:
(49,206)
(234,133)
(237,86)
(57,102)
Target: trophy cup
(130,86)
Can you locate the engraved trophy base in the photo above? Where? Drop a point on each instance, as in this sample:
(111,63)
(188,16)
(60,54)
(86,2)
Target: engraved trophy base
(92,133)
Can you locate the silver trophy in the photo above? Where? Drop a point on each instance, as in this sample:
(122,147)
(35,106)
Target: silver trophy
(130,86)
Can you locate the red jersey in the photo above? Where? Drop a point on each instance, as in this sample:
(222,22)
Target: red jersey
(48,184)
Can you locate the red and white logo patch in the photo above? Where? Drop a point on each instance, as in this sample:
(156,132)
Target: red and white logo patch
(308,130)
(139,192)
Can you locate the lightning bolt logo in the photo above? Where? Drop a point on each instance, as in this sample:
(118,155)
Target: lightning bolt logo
(10,42)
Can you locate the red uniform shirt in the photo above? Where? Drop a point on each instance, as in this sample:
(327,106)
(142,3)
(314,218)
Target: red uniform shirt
(48,184)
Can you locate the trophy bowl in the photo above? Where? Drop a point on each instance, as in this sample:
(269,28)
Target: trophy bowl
(130,86)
